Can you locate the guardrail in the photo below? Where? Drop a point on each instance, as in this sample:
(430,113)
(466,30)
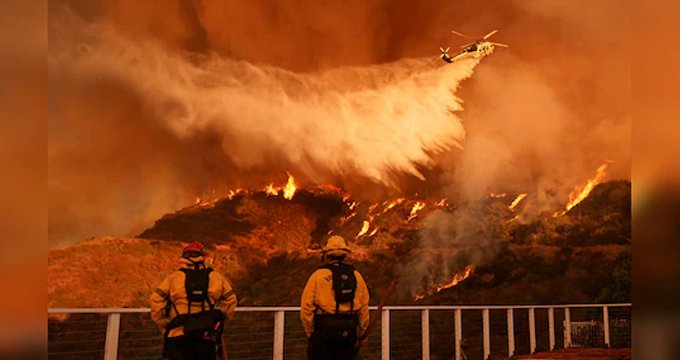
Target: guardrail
(114,314)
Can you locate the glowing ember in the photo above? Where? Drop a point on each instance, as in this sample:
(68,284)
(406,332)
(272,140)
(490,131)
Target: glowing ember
(414,210)
(198,201)
(494,195)
(517,200)
(364,229)
(352,205)
(580,193)
(441,203)
(373,232)
(289,189)
(457,278)
(270,190)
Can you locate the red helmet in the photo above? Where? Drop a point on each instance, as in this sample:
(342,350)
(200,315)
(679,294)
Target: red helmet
(194,249)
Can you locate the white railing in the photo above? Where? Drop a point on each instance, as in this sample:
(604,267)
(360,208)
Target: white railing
(113,325)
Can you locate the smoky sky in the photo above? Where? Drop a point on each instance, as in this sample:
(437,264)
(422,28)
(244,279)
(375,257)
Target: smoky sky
(538,117)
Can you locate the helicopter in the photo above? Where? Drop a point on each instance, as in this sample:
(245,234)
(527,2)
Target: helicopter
(477,48)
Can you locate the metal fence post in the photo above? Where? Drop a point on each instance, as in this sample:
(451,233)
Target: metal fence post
(279,329)
(567,328)
(551,328)
(605,321)
(385,338)
(532,330)
(458,331)
(112,334)
(511,333)
(425,328)
(485,333)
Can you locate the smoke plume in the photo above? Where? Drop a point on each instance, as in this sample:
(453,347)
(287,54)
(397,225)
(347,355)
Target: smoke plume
(372,122)
(153,103)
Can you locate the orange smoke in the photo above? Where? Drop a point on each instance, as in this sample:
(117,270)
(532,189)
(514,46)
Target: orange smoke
(580,193)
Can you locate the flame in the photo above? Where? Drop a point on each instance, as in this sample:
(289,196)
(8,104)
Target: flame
(419,205)
(373,232)
(512,219)
(457,279)
(517,200)
(289,189)
(392,204)
(580,193)
(353,205)
(364,228)
(442,202)
(198,201)
(270,190)
(233,193)
(347,218)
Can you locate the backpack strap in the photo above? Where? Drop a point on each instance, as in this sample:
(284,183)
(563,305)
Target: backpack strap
(334,268)
(203,276)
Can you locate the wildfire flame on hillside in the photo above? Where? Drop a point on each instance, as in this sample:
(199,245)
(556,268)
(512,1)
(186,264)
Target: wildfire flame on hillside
(419,205)
(517,200)
(270,190)
(289,189)
(579,193)
(457,279)
(393,203)
(364,228)
(233,193)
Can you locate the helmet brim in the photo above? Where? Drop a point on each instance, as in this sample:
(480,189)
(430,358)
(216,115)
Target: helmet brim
(340,251)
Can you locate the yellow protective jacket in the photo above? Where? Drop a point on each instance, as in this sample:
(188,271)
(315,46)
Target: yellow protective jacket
(172,289)
(318,298)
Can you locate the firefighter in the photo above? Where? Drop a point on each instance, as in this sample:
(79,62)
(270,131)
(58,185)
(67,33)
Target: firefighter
(334,305)
(191,306)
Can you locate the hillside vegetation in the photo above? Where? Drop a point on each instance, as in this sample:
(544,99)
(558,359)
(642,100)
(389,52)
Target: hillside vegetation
(268,246)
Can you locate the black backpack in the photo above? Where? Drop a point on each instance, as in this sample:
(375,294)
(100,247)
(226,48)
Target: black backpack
(206,324)
(344,283)
(340,328)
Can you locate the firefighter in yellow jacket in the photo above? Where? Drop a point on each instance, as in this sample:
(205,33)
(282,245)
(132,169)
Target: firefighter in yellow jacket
(191,305)
(334,306)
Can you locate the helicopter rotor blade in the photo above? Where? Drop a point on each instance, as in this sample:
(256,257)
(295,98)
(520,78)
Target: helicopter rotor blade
(461,35)
(489,34)
(444,51)
(468,45)
(501,45)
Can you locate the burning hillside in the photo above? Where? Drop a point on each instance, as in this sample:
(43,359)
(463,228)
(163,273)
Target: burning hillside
(265,239)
